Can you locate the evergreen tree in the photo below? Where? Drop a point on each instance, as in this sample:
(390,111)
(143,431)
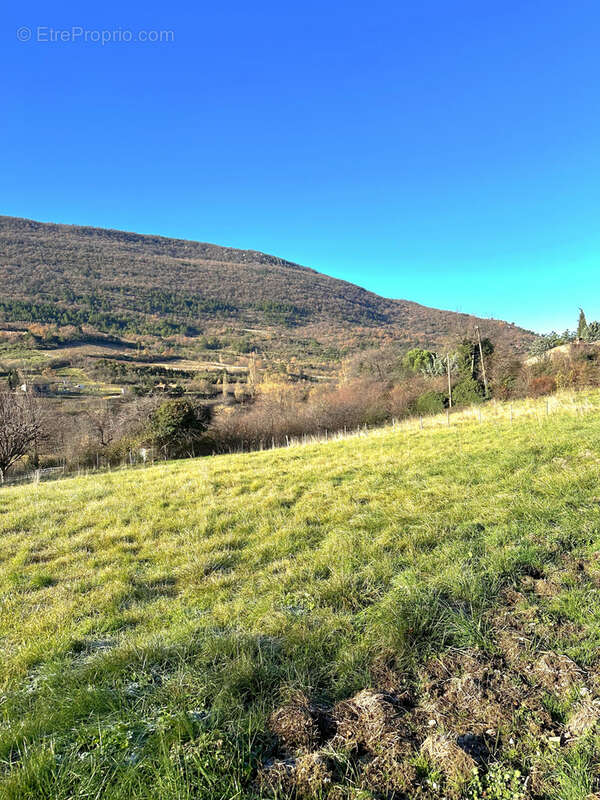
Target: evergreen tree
(12,378)
(582,327)
(593,332)
(176,426)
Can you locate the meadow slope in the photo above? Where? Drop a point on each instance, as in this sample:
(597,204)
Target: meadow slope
(420,609)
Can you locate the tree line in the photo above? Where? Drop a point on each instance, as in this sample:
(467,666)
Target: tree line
(586,332)
(373,387)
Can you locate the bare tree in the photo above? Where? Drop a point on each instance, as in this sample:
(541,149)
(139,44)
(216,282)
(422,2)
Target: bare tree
(104,422)
(20,427)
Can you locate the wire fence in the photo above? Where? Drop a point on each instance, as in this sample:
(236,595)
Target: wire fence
(493,411)
(36,475)
(535,410)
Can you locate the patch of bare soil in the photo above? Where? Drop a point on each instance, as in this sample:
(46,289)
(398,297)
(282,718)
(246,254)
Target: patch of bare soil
(468,691)
(557,673)
(542,587)
(458,714)
(300,727)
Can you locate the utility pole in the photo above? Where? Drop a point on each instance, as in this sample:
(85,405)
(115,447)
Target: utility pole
(449,382)
(485,386)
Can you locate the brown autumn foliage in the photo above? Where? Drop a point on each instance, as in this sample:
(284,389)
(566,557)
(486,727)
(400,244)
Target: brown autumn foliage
(542,385)
(114,278)
(290,411)
(278,411)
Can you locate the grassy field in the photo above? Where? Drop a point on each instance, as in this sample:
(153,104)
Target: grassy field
(409,613)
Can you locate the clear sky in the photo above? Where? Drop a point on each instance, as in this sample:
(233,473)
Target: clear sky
(442,151)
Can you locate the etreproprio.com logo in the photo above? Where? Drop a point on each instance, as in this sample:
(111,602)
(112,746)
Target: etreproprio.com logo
(76,33)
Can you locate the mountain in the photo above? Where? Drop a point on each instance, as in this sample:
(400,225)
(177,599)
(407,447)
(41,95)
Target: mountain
(128,283)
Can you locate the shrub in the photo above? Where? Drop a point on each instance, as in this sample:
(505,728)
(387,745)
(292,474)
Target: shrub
(466,392)
(593,332)
(548,341)
(176,425)
(544,384)
(403,397)
(430,403)
(418,360)
(500,783)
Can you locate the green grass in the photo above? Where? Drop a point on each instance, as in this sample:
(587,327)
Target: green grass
(20,355)
(152,619)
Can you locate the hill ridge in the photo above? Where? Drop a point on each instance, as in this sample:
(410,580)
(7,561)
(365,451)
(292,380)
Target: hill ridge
(121,280)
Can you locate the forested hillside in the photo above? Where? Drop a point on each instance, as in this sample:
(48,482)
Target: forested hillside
(128,283)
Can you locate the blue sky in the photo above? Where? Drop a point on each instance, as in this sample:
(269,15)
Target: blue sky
(443,152)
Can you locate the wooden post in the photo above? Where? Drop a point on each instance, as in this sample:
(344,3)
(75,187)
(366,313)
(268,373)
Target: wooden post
(421,422)
(485,386)
(449,382)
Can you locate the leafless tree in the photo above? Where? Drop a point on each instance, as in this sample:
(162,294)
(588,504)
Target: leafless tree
(381,363)
(20,426)
(104,423)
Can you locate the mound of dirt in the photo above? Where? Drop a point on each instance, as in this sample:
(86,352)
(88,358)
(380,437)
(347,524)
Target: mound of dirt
(583,718)
(469,692)
(458,713)
(453,762)
(307,776)
(557,673)
(370,722)
(370,727)
(300,726)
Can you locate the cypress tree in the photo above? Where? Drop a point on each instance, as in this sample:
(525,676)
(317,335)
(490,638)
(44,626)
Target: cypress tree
(582,327)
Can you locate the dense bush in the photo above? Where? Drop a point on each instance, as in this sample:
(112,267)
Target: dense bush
(403,396)
(550,340)
(544,384)
(431,403)
(70,316)
(593,332)
(176,427)
(418,360)
(375,388)
(284,411)
(467,391)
